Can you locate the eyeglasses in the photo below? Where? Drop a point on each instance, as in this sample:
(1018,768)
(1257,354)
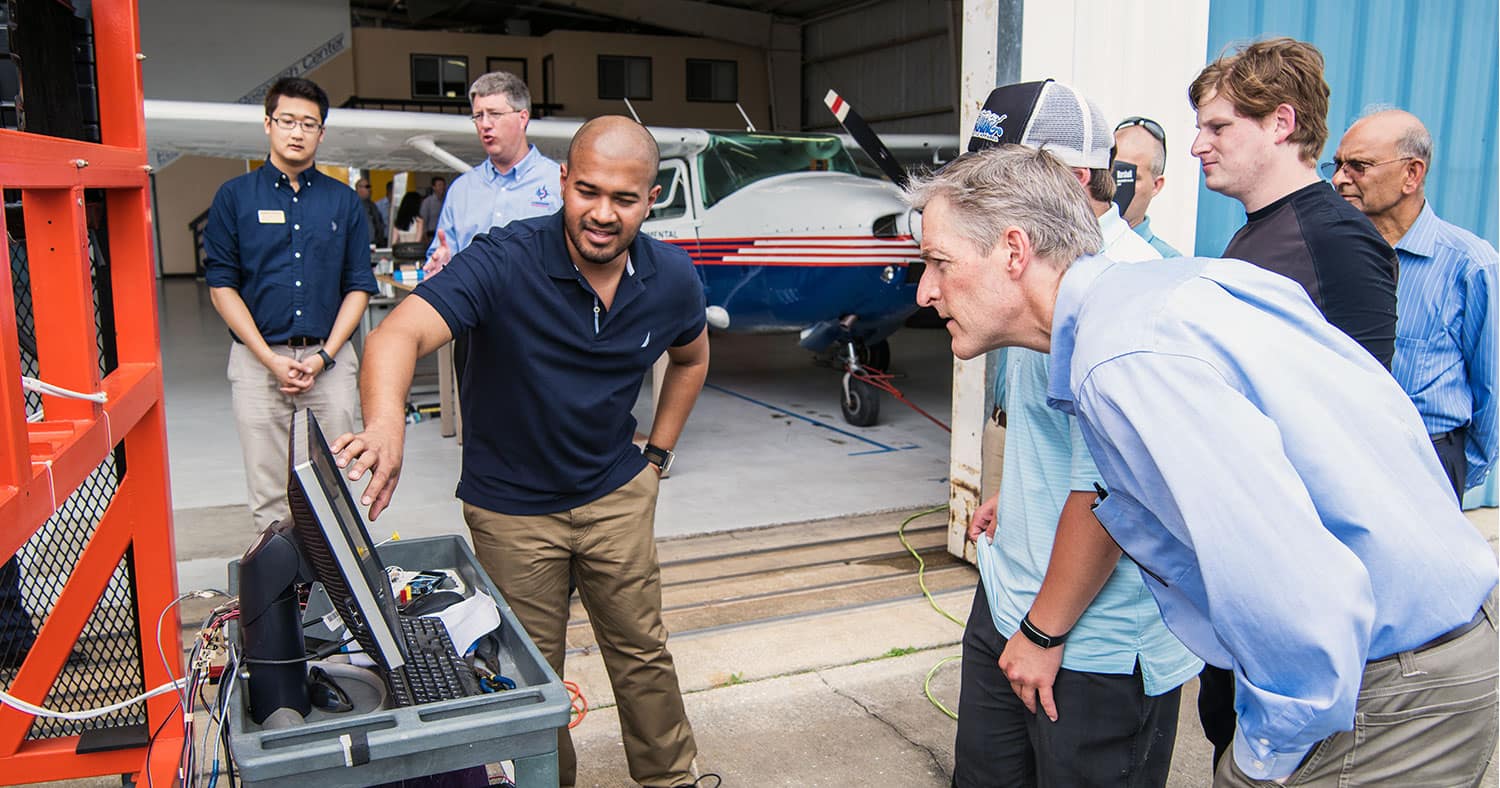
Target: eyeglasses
(1152,127)
(1356,167)
(287,122)
(491,116)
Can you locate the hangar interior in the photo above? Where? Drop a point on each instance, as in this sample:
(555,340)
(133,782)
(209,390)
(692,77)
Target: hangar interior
(765,445)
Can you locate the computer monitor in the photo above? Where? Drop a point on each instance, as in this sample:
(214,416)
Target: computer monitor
(337,547)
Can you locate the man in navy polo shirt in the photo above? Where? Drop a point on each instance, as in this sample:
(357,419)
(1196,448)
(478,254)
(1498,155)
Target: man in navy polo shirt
(565,314)
(287,258)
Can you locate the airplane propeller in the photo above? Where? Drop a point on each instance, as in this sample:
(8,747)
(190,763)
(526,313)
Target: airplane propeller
(855,124)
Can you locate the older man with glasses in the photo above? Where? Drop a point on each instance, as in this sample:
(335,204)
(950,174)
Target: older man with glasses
(515,181)
(287,259)
(1140,161)
(1445,296)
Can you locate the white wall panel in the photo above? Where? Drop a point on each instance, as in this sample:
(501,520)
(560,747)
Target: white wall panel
(1132,57)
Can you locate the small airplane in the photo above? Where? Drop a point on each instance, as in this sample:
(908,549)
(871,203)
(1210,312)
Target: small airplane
(785,232)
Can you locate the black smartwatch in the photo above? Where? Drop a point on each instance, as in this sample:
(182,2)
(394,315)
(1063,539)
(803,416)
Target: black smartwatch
(327,359)
(661,458)
(1039,637)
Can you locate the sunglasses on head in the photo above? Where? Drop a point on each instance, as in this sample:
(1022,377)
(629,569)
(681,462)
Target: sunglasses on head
(1152,127)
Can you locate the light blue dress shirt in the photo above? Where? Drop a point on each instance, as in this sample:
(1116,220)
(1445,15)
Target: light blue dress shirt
(1271,479)
(1445,333)
(484,197)
(1144,230)
(1045,460)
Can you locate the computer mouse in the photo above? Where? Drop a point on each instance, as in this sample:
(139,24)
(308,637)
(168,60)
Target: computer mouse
(432,602)
(325,693)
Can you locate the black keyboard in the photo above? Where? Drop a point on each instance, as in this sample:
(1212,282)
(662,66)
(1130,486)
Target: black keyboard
(433,671)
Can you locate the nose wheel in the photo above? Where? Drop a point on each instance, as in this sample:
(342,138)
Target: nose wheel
(860,403)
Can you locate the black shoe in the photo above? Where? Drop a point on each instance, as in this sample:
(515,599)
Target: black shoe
(699,783)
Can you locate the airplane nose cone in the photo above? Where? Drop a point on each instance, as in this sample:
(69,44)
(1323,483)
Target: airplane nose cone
(718,317)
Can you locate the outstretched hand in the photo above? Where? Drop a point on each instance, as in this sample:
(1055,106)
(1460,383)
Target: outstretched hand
(440,256)
(377,451)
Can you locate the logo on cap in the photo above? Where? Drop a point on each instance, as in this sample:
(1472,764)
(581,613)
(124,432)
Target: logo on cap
(988,125)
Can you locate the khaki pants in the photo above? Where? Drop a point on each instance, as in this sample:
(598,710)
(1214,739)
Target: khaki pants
(610,547)
(1424,719)
(264,418)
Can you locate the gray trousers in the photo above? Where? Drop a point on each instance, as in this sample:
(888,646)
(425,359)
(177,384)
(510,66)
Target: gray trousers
(1423,718)
(263,416)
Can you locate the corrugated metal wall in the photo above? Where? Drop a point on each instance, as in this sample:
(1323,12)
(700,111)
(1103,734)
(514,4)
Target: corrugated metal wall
(1436,58)
(894,61)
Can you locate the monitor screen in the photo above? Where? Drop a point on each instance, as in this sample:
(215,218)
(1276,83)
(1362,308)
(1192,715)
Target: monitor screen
(337,546)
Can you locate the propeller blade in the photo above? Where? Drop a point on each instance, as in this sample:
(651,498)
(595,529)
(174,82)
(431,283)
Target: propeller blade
(866,137)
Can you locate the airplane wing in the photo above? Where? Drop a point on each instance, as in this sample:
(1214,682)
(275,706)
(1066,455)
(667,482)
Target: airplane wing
(364,138)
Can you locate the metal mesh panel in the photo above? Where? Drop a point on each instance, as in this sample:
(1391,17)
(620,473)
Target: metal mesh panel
(105,666)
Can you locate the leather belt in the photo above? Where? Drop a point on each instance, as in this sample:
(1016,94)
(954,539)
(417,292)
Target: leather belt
(1447,637)
(303,341)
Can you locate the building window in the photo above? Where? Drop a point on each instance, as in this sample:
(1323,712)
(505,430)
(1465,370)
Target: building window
(621,76)
(439,76)
(713,80)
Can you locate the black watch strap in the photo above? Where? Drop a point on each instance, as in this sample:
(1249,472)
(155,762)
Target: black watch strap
(656,455)
(1039,637)
(327,359)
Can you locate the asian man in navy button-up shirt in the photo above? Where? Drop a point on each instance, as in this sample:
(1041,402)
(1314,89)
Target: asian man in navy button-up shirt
(287,260)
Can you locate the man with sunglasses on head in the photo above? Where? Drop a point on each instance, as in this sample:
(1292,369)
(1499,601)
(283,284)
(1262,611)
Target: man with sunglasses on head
(515,181)
(1445,296)
(1140,161)
(287,259)
(1262,121)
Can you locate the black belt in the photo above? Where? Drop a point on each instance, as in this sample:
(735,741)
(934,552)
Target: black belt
(1447,637)
(303,341)
(1451,436)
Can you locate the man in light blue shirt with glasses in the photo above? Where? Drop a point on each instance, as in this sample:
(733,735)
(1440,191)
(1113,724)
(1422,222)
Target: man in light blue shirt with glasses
(515,181)
(1268,476)
(1445,295)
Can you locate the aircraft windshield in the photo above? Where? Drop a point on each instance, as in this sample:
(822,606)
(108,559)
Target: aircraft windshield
(736,160)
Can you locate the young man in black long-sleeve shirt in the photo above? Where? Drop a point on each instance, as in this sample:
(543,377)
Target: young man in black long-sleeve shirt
(1262,121)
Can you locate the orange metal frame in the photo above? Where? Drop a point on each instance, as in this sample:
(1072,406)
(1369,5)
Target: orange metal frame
(42,463)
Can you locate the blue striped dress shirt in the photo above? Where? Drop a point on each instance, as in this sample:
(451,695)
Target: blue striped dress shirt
(1445,333)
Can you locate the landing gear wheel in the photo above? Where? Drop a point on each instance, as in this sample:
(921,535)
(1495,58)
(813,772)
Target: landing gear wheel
(860,403)
(877,355)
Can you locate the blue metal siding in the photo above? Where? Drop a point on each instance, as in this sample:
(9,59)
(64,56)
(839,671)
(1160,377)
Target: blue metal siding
(1436,58)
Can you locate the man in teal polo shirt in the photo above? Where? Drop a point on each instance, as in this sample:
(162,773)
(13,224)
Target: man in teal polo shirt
(1100,709)
(565,314)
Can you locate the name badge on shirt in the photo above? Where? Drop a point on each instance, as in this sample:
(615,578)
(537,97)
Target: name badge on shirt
(272,217)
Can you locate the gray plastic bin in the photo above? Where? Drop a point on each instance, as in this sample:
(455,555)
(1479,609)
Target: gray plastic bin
(338,750)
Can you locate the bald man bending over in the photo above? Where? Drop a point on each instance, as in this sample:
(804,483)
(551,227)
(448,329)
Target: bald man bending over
(565,314)
(1445,293)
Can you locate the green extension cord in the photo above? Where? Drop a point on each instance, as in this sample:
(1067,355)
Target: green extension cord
(922,583)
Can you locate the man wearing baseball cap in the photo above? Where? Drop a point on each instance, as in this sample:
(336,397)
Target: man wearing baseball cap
(1070,677)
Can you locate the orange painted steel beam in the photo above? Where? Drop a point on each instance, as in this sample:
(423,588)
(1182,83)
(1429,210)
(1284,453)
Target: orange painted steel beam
(55,759)
(75,604)
(15,465)
(40,464)
(63,455)
(62,302)
(132,263)
(35,162)
(117,43)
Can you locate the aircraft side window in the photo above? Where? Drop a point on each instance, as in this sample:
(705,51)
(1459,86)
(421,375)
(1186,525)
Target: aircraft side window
(672,202)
